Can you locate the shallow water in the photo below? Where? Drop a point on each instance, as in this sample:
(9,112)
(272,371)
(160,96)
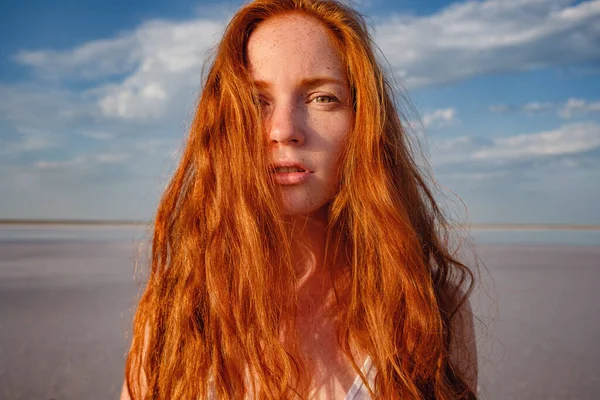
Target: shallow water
(136,233)
(571,237)
(37,233)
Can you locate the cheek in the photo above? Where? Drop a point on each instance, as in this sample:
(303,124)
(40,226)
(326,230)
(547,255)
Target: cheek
(337,142)
(332,132)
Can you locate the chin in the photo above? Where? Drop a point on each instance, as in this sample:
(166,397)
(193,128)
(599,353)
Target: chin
(302,206)
(299,210)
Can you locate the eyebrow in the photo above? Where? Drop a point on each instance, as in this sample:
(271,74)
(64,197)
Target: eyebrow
(307,83)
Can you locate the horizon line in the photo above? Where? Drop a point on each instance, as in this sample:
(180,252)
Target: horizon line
(478,226)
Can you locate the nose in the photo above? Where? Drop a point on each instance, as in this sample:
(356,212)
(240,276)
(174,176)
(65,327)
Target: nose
(286,126)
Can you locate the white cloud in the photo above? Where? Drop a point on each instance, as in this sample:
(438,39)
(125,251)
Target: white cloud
(574,107)
(440,117)
(531,108)
(456,150)
(98,135)
(43,164)
(565,140)
(478,176)
(45,108)
(110,158)
(500,108)
(83,161)
(494,36)
(95,59)
(30,140)
(134,102)
(536,107)
(168,72)
(569,162)
(162,61)
(158,146)
(471,152)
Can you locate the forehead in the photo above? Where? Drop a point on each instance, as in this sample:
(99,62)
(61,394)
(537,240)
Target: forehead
(293,45)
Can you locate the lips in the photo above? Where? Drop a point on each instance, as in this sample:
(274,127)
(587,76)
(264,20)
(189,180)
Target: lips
(289,173)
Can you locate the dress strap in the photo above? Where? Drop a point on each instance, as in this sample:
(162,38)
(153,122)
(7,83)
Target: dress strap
(358,390)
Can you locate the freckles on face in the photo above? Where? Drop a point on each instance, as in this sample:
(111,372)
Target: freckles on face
(301,82)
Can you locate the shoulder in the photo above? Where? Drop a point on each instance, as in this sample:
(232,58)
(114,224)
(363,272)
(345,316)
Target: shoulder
(139,380)
(463,345)
(125,392)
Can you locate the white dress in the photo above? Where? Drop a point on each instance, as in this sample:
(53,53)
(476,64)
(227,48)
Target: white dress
(358,390)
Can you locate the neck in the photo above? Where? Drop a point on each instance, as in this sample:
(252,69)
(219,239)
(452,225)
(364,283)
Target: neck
(307,238)
(314,276)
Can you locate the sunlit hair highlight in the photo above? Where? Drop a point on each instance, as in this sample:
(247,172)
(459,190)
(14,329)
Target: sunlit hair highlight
(219,289)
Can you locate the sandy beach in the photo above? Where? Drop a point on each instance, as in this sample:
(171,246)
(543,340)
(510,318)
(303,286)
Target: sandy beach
(66,309)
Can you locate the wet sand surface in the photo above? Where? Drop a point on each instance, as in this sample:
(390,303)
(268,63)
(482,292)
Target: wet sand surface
(65,313)
(66,309)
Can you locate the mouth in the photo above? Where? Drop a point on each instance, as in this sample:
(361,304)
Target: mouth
(287,170)
(289,173)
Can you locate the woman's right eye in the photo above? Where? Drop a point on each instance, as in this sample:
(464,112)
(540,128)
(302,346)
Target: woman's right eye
(261,102)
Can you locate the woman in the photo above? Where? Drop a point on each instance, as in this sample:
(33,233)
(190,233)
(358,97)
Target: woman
(297,250)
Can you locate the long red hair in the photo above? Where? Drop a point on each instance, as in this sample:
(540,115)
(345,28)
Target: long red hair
(218,293)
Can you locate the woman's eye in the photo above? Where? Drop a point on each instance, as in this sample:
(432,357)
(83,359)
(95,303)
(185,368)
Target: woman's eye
(325,99)
(262,102)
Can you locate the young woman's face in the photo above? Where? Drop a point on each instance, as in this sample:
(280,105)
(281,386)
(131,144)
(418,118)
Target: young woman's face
(305,99)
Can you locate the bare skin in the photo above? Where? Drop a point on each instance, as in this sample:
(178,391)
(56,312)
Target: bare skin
(331,371)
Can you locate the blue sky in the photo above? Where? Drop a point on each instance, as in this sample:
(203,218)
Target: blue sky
(96,97)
